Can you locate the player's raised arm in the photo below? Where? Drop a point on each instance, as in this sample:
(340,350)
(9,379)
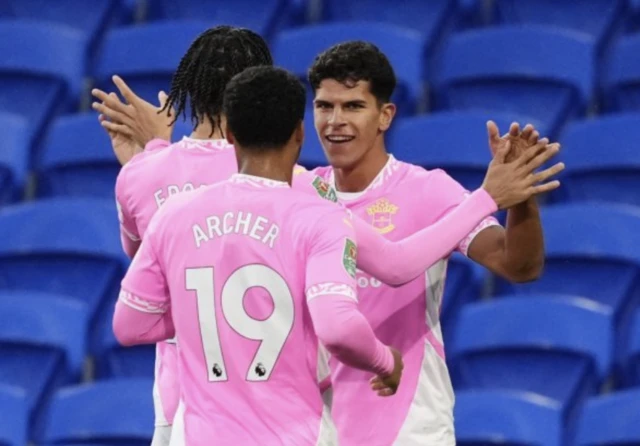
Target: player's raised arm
(142,314)
(129,234)
(333,303)
(396,263)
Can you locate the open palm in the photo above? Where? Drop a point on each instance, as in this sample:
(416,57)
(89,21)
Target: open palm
(520,141)
(124,146)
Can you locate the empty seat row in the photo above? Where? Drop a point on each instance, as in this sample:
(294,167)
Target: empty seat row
(556,349)
(108,412)
(44,65)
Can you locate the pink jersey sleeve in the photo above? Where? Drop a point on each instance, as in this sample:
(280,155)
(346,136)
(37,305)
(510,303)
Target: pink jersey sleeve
(331,295)
(129,235)
(397,263)
(451,194)
(134,327)
(144,290)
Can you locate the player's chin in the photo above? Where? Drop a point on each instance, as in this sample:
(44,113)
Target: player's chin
(339,158)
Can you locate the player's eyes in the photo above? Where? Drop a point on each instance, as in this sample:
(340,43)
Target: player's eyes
(322,106)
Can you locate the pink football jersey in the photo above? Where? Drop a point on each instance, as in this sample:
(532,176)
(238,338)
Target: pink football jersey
(239,264)
(144,184)
(401,200)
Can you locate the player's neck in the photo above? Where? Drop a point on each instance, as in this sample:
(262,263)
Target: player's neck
(266,166)
(205,130)
(360,176)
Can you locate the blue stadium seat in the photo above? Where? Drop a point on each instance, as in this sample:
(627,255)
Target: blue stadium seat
(560,348)
(631,360)
(611,420)
(498,417)
(183,127)
(432,19)
(296,49)
(588,244)
(594,17)
(622,75)
(64,246)
(454,141)
(261,16)
(106,412)
(15,148)
(116,361)
(464,282)
(602,160)
(89,17)
(77,159)
(15,416)
(41,70)
(499,70)
(43,343)
(312,154)
(633,16)
(134,53)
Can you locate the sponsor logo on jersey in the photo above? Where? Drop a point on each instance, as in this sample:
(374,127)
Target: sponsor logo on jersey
(324,189)
(349,257)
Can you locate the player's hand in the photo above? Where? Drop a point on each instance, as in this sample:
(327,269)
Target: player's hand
(143,121)
(123,144)
(520,141)
(388,385)
(511,183)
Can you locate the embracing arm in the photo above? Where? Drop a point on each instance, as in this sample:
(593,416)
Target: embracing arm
(397,263)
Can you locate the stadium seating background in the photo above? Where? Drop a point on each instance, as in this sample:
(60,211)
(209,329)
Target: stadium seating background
(554,362)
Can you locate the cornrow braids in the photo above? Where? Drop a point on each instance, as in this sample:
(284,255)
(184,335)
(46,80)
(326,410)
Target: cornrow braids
(211,61)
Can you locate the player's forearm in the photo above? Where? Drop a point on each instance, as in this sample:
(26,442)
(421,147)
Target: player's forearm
(397,263)
(347,335)
(523,257)
(133,327)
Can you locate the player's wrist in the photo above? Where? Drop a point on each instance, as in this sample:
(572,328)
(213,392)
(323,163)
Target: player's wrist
(484,199)
(385,363)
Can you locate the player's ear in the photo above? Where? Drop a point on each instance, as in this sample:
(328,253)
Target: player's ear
(228,134)
(387,113)
(298,134)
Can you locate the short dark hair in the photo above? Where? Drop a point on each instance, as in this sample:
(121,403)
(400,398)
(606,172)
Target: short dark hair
(263,107)
(350,62)
(211,61)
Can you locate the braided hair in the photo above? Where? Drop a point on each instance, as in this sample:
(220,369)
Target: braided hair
(211,61)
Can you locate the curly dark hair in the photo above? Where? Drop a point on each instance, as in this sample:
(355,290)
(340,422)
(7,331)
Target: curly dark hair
(350,62)
(264,106)
(211,61)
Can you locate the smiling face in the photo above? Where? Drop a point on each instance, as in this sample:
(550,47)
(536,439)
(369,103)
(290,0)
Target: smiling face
(350,121)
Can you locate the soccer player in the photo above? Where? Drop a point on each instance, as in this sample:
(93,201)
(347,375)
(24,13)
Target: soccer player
(353,84)
(250,274)
(141,189)
(144,184)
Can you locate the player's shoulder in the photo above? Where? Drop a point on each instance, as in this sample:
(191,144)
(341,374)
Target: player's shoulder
(431,179)
(313,185)
(141,161)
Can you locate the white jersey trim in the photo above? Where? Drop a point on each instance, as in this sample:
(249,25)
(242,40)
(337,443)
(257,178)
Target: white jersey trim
(331,289)
(258,182)
(139,304)
(464,245)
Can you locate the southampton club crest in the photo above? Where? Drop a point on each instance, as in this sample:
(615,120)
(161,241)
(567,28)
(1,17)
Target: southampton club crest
(381,212)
